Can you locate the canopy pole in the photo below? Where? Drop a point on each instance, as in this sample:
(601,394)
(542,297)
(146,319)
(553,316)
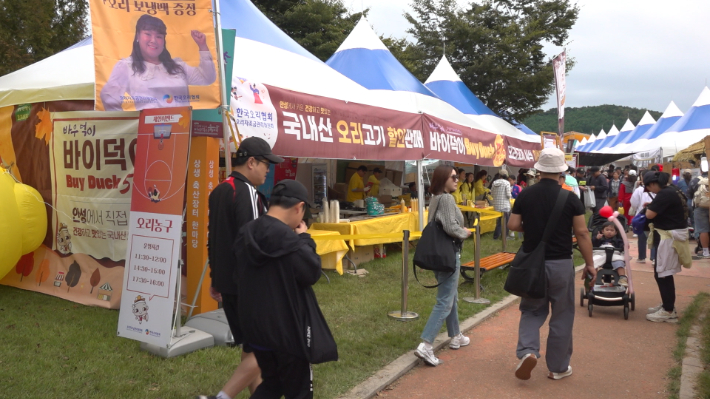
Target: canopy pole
(421,193)
(222,86)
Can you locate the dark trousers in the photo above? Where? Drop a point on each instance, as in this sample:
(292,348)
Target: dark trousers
(283,375)
(666,285)
(497,232)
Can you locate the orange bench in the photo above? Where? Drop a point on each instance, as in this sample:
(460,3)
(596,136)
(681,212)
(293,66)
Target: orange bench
(488,263)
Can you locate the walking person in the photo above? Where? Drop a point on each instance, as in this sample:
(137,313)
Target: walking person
(531,214)
(641,196)
(501,201)
(442,209)
(278,310)
(669,214)
(232,204)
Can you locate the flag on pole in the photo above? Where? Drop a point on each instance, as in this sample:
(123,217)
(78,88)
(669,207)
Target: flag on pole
(559,65)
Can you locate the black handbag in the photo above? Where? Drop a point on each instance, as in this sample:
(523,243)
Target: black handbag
(436,250)
(527,277)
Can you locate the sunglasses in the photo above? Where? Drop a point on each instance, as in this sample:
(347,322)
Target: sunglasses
(455,177)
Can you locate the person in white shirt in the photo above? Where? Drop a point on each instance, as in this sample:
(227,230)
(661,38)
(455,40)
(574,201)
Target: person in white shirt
(150,77)
(638,198)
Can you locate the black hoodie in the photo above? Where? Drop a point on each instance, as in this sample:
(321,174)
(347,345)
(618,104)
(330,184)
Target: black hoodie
(277,307)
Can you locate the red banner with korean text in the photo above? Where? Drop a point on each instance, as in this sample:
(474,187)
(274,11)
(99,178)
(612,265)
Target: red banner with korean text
(522,154)
(155,227)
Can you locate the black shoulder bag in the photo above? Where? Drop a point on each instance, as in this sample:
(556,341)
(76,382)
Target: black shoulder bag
(526,275)
(436,250)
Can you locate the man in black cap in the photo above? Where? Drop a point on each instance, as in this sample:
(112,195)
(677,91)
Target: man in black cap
(232,204)
(278,310)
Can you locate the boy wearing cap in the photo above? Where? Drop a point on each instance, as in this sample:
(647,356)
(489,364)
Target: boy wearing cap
(278,310)
(531,213)
(232,204)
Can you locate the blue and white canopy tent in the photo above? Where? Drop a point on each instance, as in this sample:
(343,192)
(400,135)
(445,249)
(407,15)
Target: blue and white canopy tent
(617,146)
(625,130)
(669,117)
(687,130)
(447,85)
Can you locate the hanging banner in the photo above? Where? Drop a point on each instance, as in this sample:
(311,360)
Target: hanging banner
(647,158)
(154,55)
(559,65)
(522,154)
(153,252)
(306,126)
(91,159)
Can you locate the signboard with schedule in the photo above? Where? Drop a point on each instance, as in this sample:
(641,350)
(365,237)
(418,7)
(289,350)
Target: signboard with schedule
(155,227)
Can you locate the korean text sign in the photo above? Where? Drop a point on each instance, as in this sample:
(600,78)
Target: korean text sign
(91,161)
(155,231)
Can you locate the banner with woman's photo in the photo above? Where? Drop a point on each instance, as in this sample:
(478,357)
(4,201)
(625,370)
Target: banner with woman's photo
(154,54)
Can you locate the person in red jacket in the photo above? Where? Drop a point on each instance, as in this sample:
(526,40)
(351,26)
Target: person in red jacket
(626,189)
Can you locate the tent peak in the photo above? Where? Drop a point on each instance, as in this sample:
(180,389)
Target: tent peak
(703,99)
(628,126)
(647,119)
(443,71)
(671,111)
(362,36)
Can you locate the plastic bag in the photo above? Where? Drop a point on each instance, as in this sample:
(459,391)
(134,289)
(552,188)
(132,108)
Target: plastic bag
(589,200)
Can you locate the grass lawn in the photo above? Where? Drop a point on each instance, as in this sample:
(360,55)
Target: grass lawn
(690,317)
(57,349)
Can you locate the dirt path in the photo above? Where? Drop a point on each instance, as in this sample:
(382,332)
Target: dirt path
(612,356)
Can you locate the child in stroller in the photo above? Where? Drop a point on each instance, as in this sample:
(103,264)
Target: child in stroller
(608,236)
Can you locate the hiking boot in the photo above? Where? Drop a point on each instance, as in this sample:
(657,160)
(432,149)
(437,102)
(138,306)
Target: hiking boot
(559,376)
(459,341)
(655,308)
(427,355)
(623,281)
(526,366)
(662,315)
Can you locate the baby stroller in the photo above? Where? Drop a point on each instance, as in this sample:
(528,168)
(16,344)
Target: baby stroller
(606,290)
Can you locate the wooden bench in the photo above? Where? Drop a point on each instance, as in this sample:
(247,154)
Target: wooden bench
(488,263)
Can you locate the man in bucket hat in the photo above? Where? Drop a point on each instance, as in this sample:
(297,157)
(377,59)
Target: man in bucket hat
(531,212)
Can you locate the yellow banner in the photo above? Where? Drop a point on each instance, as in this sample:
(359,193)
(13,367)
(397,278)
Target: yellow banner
(154,54)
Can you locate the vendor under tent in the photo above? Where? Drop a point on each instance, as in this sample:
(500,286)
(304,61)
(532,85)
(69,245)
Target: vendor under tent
(688,129)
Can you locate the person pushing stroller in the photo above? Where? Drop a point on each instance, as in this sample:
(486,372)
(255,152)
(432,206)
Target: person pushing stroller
(606,236)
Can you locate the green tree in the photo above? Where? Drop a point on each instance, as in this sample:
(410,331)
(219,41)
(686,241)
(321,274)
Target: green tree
(496,47)
(588,119)
(31,30)
(320,26)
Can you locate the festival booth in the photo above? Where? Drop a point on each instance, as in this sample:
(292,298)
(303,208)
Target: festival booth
(304,110)
(614,136)
(617,144)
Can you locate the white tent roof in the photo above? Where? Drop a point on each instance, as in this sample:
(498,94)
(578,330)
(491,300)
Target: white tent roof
(687,130)
(67,75)
(613,138)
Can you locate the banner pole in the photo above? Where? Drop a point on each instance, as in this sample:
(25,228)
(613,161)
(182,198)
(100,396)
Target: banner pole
(403,314)
(222,86)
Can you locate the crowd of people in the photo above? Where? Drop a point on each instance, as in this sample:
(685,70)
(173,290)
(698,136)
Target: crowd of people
(263,262)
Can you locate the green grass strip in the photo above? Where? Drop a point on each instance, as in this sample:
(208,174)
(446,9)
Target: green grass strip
(689,317)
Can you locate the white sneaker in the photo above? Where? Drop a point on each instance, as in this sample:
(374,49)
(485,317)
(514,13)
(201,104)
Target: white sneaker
(459,341)
(655,308)
(427,355)
(559,376)
(662,315)
(526,366)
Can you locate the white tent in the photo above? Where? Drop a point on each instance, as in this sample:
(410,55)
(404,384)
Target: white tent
(689,129)
(640,139)
(625,130)
(644,125)
(447,85)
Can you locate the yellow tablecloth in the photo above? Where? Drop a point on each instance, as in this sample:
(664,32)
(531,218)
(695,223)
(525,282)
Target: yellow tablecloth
(331,252)
(379,225)
(488,217)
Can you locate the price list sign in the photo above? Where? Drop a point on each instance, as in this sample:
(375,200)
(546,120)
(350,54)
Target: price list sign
(155,232)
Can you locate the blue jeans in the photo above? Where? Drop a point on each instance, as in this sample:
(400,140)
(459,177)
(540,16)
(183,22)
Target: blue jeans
(496,233)
(446,308)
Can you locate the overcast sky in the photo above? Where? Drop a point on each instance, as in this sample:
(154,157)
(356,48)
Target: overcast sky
(639,53)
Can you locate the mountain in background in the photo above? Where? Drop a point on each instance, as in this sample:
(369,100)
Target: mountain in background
(588,119)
